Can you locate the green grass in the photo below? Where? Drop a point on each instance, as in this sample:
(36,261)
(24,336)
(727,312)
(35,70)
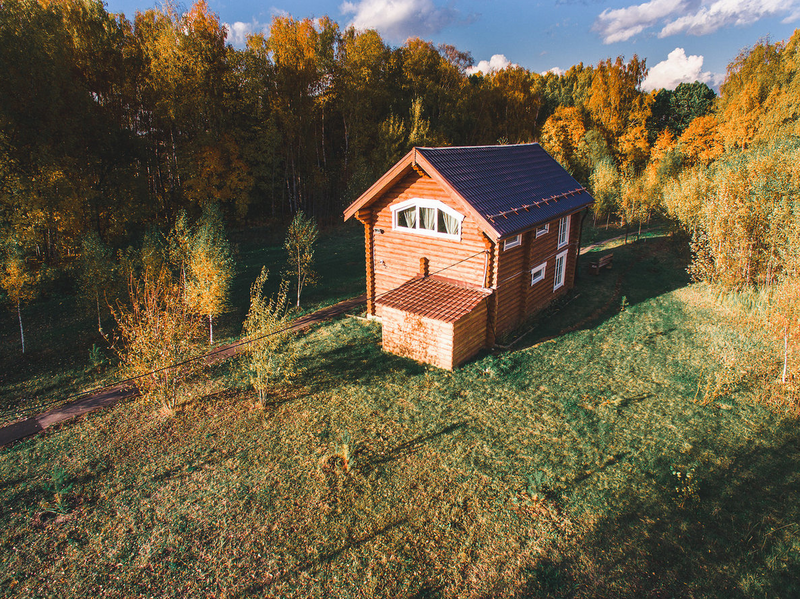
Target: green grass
(547,471)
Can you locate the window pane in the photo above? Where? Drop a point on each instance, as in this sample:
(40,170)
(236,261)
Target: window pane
(427,218)
(407,218)
(447,224)
(563,231)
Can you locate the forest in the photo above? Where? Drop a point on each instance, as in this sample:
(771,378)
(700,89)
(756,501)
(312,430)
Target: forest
(112,126)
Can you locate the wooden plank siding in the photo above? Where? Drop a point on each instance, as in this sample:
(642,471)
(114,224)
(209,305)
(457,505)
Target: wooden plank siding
(396,254)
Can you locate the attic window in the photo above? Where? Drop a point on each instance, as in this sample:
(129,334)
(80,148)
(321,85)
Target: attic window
(427,217)
(542,230)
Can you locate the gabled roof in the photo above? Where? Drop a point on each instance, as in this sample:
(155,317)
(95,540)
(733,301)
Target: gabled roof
(507,189)
(433,298)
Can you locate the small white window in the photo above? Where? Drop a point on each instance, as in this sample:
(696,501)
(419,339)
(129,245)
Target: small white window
(563,231)
(561,270)
(542,230)
(512,243)
(537,274)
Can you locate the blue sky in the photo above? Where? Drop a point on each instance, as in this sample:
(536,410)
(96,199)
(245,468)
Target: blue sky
(682,40)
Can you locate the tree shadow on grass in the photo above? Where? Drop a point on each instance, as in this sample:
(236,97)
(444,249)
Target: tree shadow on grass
(731,531)
(642,270)
(360,360)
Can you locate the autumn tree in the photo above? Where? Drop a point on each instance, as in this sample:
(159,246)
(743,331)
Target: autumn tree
(157,337)
(209,269)
(701,142)
(268,356)
(563,137)
(605,185)
(17,280)
(621,110)
(96,271)
(300,242)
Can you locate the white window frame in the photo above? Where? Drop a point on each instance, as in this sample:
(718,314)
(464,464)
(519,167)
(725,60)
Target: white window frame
(512,243)
(426,203)
(562,257)
(563,231)
(542,230)
(538,273)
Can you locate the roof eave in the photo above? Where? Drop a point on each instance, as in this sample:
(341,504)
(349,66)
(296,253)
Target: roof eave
(527,228)
(388,179)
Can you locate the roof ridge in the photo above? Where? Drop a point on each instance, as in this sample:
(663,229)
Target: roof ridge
(531,143)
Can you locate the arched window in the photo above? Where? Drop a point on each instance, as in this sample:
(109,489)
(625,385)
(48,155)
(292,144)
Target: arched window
(427,217)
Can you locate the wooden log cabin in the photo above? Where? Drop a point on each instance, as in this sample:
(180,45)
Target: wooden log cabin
(463,243)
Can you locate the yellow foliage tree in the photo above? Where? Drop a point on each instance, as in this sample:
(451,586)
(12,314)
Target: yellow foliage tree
(17,280)
(209,269)
(701,142)
(563,137)
(156,334)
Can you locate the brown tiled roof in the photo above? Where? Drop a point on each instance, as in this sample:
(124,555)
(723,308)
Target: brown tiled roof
(513,187)
(434,298)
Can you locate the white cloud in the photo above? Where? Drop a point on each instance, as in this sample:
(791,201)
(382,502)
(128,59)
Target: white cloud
(238,31)
(695,17)
(555,70)
(400,19)
(620,24)
(679,68)
(497,62)
(726,13)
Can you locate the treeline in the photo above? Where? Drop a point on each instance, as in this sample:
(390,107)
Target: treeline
(110,124)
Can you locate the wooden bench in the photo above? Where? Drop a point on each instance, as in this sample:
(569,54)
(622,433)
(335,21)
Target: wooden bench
(604,262)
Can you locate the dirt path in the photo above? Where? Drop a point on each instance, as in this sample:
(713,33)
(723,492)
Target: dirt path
(111,395)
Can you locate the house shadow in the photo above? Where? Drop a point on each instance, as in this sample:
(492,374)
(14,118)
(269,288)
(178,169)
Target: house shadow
(642,270)
(731,532)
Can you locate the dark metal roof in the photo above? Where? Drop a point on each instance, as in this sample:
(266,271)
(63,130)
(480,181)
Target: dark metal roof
(514,187)
(433,298)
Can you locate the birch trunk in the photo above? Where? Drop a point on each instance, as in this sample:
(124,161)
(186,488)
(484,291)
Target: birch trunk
(785,353)
(21,331)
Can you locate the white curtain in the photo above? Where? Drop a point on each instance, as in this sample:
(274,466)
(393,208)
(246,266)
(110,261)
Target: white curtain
(447,224)
(408,218)
(427,217)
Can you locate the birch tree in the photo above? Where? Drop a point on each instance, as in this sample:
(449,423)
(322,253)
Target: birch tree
(156,332)
(17,281)
(300,241)
(209,269)
(268,358)
(97,269)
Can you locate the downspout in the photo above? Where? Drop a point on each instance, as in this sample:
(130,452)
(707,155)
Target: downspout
(578,254)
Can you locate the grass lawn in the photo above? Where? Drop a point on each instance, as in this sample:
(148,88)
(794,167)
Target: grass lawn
(621,449)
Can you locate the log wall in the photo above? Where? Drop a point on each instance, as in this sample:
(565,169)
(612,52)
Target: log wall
(396,254)
(516,297)
(443,344)
(418,338)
